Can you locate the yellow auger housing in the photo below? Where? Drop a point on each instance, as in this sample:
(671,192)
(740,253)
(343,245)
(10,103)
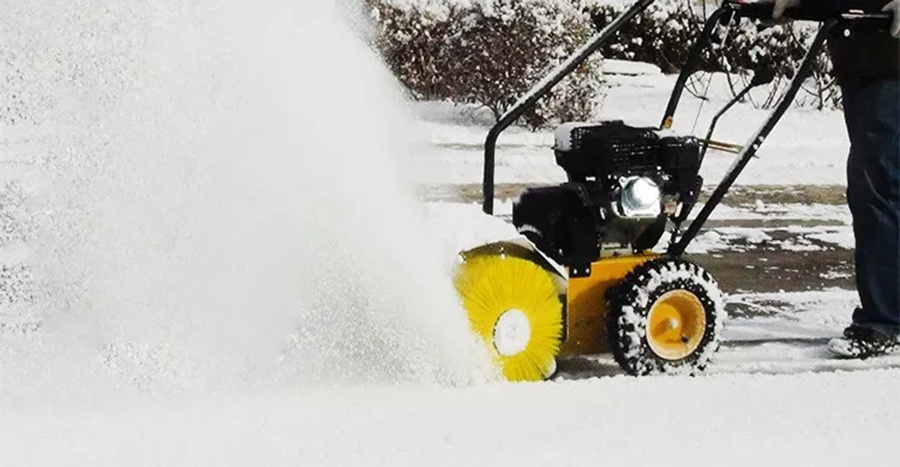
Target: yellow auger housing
(586,304)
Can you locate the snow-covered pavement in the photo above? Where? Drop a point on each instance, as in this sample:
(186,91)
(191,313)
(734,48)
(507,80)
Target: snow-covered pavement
(831,419)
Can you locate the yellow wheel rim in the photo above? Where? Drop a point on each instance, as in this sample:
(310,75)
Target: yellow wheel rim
(514,307)
(676,325)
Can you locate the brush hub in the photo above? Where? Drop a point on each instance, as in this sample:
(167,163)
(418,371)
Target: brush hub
(512,332)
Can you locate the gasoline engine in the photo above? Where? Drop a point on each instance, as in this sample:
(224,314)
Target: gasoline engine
(625,185)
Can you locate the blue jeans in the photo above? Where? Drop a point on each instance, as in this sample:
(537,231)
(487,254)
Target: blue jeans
(872,112)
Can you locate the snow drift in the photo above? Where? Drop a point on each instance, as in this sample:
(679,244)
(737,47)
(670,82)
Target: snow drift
(222,205)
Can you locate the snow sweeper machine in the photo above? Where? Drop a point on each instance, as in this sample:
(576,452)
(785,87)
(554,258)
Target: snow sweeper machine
(593,273)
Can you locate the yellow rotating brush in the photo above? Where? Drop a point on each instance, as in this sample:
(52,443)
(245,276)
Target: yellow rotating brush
(514,306)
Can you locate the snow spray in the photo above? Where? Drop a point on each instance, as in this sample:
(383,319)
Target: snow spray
(223,204)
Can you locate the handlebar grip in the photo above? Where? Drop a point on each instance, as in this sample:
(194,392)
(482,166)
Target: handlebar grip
(877,21)
(763,11)
(854,19)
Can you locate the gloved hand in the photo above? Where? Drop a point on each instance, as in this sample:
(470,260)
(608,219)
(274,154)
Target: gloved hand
(781,5)
(894,7)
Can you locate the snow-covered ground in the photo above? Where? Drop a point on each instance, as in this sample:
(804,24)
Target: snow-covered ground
(772,396)
(831,419)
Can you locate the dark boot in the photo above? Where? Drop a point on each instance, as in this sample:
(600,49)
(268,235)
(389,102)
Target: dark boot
(862,343)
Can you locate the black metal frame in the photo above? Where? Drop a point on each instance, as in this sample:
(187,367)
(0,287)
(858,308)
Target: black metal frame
(730,10)
(750,149)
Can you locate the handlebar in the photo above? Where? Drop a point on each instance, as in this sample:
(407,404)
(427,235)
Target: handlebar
(762,11)
(852,20)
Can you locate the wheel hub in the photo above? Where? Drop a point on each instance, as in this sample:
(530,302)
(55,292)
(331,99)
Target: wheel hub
(676,325)
(512,332)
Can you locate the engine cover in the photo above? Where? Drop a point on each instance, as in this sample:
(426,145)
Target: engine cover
(591,152)
(575,222)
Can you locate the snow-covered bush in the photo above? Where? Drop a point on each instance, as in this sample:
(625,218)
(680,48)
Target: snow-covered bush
(489,52)
(779,47)
(664,33)
(661,35)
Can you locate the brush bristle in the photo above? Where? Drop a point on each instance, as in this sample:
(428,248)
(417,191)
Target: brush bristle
(491,285)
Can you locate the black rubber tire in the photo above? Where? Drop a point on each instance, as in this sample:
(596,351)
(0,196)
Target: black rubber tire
(629,304)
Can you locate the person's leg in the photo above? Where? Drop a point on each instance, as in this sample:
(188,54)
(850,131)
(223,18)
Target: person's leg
(872,112)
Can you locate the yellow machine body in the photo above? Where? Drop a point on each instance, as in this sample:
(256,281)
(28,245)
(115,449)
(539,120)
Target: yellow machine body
(586,304)
(559,316)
